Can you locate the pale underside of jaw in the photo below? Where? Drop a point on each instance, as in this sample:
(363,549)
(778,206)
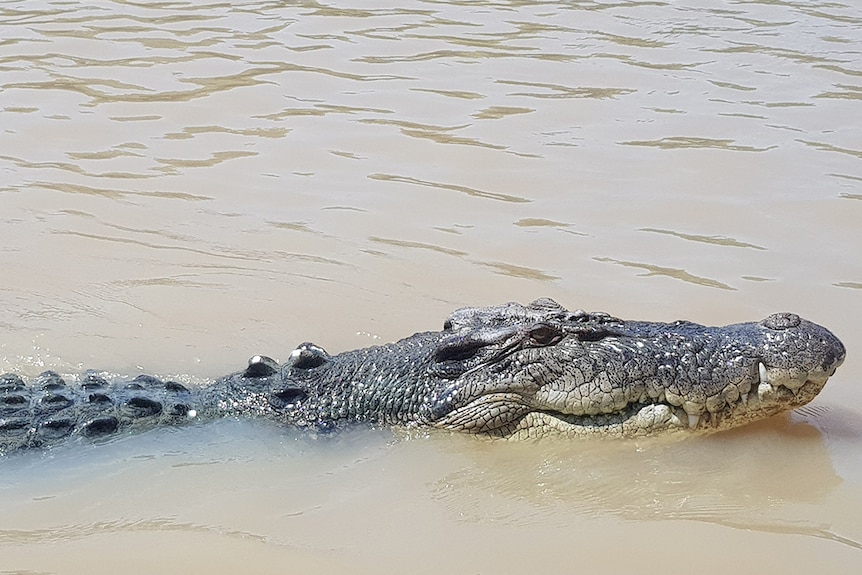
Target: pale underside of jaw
(775,391)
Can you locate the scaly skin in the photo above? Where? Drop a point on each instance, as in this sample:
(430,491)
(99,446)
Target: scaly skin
(511,371)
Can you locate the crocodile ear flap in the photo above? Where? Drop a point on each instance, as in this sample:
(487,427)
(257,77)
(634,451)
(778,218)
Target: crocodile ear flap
(456,356)
(459,349)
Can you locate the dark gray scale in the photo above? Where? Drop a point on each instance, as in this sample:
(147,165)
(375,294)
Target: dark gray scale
(100,426)
(100,400)
(174,387)
(148,381)
(52,402)
(14,404)
(10,382)
(93,382)
(139,407)
(50,381)
(54,429)
(14,426)
(13,400)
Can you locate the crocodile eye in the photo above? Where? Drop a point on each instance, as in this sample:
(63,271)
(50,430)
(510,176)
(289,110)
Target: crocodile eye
(543,334)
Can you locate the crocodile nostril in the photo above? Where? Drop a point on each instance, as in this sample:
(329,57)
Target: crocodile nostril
(781,321)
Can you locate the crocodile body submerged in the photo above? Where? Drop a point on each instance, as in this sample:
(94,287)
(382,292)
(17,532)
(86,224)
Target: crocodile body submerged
(509,370)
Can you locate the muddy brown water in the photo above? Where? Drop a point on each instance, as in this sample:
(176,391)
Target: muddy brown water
(186,184)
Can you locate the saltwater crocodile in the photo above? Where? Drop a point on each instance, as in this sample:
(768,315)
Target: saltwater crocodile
(508,370)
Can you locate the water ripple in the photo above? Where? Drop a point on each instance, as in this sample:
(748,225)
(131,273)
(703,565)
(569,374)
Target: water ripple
(450,187)
(676,273)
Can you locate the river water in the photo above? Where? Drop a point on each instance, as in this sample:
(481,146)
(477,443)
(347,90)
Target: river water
(186,184)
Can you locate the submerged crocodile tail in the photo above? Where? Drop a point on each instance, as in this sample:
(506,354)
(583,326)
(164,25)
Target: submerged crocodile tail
(49,409)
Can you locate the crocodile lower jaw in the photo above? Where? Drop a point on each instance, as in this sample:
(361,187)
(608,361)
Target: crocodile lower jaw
(646,419)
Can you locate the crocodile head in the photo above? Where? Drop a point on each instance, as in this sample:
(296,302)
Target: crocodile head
(522,371)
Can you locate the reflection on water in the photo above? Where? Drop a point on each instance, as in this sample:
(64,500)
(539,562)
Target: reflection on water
(746,479)
(186,184)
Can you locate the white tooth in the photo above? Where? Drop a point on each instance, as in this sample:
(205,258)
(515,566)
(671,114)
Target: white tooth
(693,420)
(764,377)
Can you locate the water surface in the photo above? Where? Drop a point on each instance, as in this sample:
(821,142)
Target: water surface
(186,184)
